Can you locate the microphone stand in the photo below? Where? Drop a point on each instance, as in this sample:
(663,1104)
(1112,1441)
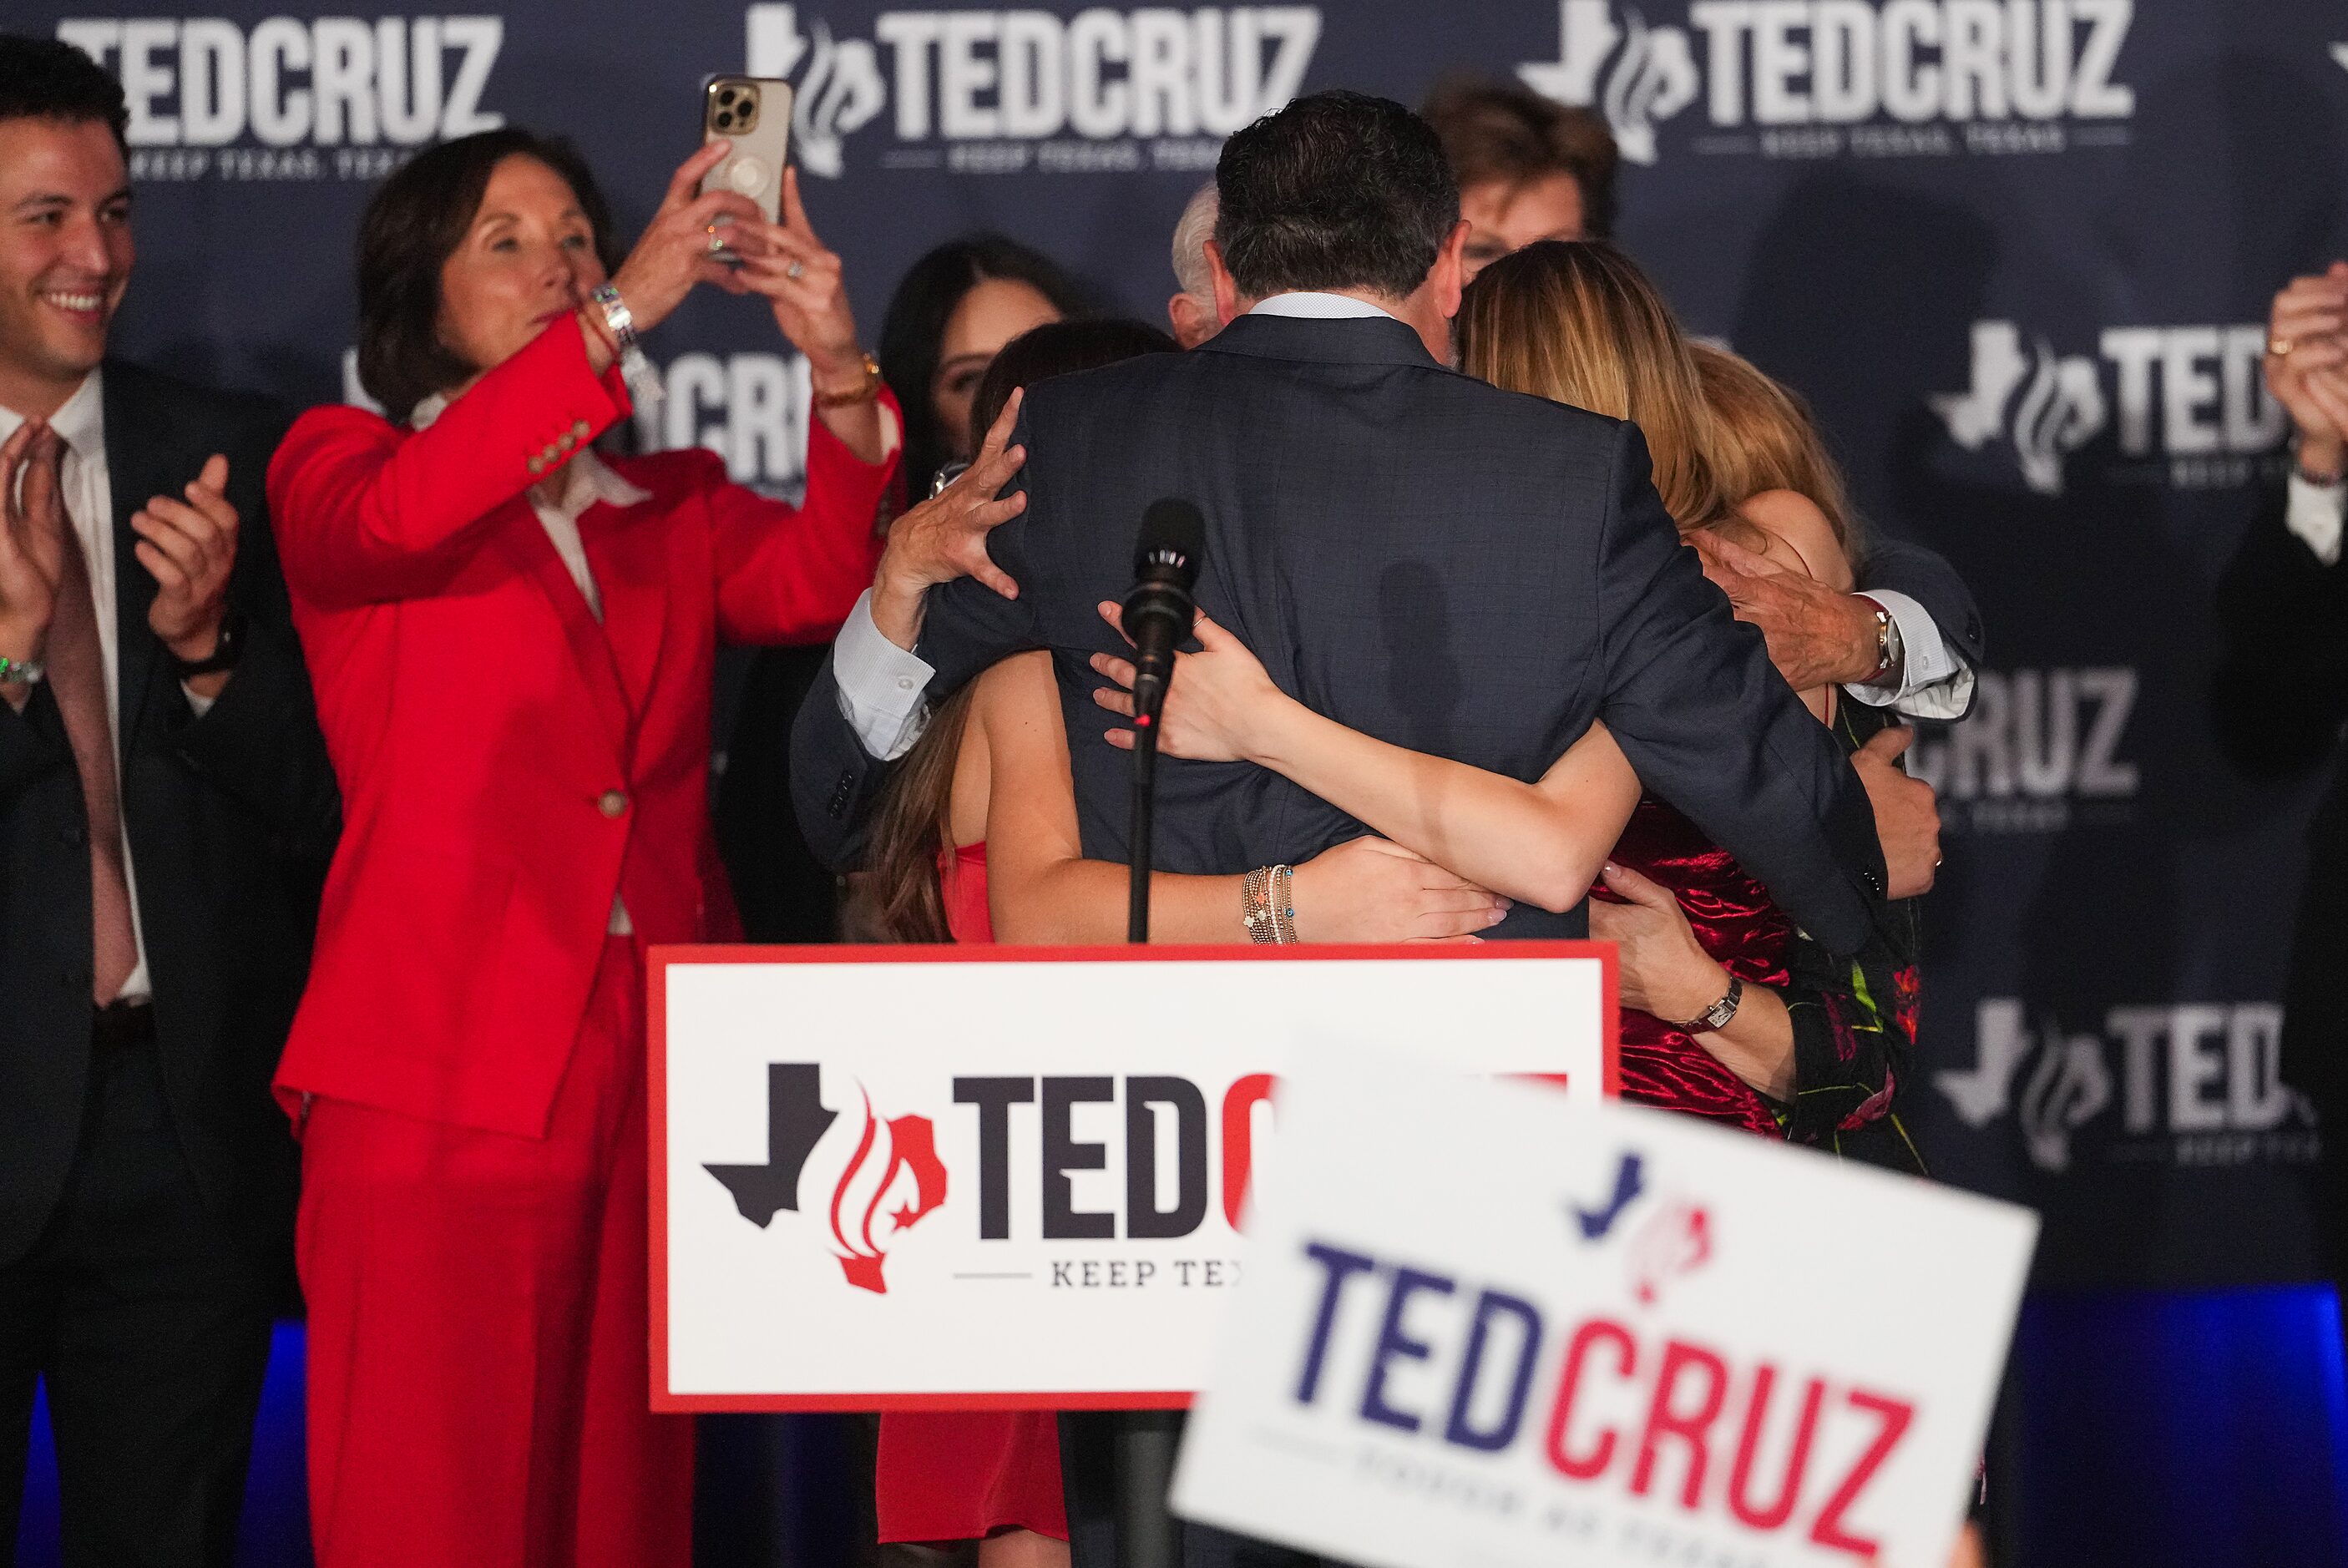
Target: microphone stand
(1147,1536)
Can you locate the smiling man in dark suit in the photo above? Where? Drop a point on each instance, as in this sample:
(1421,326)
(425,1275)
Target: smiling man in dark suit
(165,807)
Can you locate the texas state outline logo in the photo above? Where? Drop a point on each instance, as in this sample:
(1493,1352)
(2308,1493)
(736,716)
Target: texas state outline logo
(894,1159)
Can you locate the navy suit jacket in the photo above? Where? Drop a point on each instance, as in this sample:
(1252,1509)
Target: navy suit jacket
(231,818)
(1414,553)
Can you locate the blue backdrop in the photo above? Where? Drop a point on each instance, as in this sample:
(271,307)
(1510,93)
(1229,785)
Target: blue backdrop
(2015,252)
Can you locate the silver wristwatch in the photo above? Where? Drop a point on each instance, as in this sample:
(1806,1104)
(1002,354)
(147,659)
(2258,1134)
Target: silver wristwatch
(643,381)
(1715,1017)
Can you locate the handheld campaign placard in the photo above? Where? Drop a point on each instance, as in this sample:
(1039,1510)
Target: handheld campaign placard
(940,1177)
(1485,1325)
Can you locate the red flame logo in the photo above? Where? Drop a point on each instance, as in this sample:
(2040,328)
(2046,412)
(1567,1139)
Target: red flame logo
(1676,1240)
(909,1169)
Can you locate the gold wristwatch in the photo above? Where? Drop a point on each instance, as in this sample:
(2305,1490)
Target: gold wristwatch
(864,391)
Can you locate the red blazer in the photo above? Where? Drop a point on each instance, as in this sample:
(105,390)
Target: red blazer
(507,763)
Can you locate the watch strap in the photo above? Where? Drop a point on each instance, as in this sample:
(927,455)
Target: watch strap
(227,648)
(1716,1016)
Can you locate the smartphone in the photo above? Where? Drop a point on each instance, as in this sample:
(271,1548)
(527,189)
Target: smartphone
(753,116)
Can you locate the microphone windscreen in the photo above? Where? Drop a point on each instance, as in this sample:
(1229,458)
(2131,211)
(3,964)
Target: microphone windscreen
(1173,540)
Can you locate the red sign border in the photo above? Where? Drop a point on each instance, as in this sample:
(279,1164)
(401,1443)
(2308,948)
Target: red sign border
(659,958)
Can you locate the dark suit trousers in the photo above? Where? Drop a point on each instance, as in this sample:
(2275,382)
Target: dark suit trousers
(150,1327)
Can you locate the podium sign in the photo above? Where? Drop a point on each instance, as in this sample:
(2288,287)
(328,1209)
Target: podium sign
(1484,1327)
(938,1177)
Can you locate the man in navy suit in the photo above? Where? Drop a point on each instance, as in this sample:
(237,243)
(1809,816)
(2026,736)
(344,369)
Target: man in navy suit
(1411,552)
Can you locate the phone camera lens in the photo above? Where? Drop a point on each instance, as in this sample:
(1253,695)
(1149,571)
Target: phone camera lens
(725,119)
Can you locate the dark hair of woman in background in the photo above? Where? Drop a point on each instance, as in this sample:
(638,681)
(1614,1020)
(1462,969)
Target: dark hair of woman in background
(953,311)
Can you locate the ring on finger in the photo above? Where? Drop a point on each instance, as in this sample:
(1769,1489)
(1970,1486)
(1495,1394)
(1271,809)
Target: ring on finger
(796,271)
(2278,347)
(716,242)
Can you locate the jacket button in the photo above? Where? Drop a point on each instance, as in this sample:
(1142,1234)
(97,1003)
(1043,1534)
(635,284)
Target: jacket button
(537,465)
(610,802)
(579,428)
(565,441)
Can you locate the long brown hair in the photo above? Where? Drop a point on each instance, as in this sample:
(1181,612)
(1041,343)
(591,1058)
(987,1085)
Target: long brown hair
(897,897)
(1576,322)
(1761,436)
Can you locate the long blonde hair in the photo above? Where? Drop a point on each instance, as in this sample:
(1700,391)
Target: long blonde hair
(1760,436)
(1576,322)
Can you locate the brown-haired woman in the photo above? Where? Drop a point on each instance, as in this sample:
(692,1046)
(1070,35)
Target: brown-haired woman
(939,847)
(511,640)
(1726,1012)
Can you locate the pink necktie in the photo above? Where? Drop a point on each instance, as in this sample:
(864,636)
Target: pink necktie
(77,674)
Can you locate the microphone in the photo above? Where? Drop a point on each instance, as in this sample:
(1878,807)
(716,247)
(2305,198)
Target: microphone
(1158,608)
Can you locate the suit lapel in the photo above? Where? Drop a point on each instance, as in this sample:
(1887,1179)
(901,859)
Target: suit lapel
(523,539)
(627,550)
(142,455)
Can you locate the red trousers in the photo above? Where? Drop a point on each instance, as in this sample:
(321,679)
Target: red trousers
(478,1382)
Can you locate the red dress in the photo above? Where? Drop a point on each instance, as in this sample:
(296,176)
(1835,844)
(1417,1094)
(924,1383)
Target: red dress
(1854,1017)
(964,1475)
(1737,927)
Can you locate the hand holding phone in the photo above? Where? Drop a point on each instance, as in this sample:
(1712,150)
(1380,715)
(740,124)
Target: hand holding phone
(752,116)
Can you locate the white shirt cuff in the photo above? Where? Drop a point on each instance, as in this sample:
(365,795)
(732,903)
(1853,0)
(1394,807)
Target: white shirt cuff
(1936,682)
(883,689)
(2314,514)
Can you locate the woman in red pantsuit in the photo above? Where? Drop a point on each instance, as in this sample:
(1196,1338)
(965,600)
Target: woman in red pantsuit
(511,640)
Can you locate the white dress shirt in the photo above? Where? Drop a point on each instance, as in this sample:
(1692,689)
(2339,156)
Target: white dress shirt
(1935,680)
(2314,512)
(560,502)
(87,491)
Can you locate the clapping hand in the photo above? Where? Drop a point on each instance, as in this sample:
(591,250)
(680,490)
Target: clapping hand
(189,546)
(32,538)
(2307,364)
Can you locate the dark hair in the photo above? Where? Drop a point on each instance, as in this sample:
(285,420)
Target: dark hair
(1337,190)
(899,898)
(1507,133)
(413,224)
(47,78)
(914,329)
(1060,348)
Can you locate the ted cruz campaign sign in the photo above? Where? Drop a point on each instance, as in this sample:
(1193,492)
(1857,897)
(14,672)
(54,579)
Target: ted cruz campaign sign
(1487,1325)
(943,1177)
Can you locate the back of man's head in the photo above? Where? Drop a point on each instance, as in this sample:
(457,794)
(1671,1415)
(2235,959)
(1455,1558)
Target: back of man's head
(47,78)
(1337,190)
